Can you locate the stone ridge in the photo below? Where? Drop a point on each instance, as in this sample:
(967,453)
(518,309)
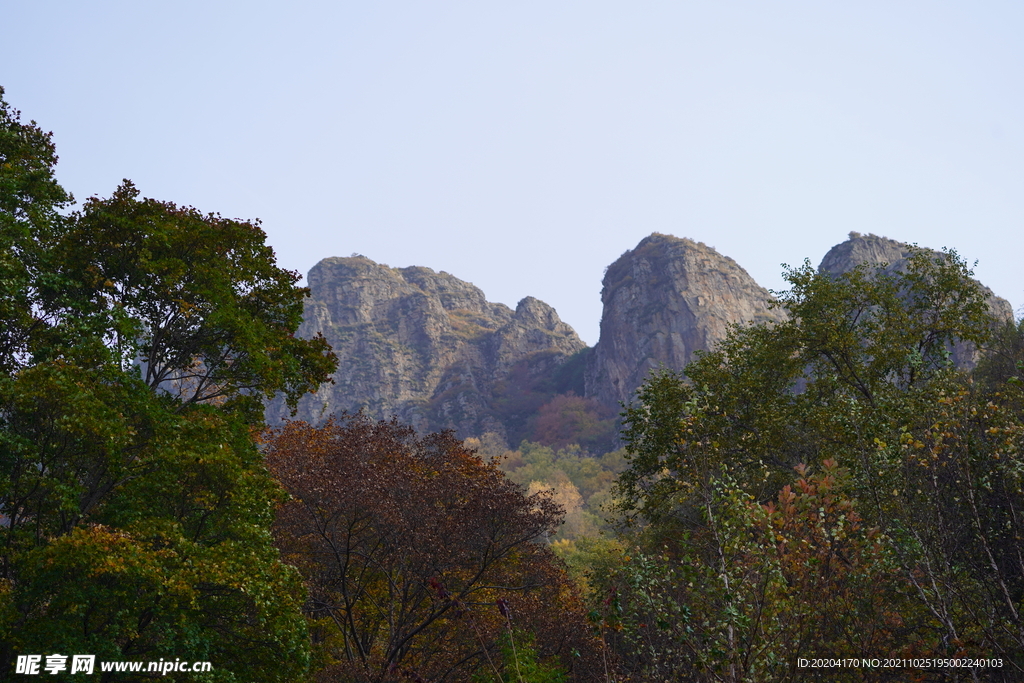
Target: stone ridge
(424,346)
(663,301)
(875,250)
(858,249)
(430,349)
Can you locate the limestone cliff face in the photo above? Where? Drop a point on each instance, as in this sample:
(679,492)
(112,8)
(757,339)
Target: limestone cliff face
(874,250)
(424,346)
(664,300)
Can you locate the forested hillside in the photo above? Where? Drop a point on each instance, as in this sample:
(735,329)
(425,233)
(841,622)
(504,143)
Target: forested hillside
(832,474)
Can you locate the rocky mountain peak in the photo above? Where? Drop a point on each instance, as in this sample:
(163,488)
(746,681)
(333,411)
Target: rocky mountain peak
(874,250)
(430,348)
(424,345)
(663,301)
(870,248)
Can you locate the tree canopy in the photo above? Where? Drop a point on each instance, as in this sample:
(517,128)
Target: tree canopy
(137,340)
(418,555)
(900,531)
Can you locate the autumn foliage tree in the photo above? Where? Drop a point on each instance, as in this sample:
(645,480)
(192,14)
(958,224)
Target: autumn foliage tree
(418,555)
(569,419)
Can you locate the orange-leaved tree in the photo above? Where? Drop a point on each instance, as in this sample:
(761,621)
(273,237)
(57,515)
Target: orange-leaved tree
(407,545)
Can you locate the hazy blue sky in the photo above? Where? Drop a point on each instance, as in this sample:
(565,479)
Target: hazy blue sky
(523,146)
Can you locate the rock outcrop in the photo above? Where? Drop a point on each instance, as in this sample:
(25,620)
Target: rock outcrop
(893,256)
(426,347)
(663,301)
(430,349)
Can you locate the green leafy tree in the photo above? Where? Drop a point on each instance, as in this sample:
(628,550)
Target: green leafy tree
(519,662)
(746,588)
(1004,362)
(30,206)
(139,340)
(195,300)
(858,381)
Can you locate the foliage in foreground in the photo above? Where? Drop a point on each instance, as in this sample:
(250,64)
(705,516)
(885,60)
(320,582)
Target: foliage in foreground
(902,533)
(137,339)
(418,556)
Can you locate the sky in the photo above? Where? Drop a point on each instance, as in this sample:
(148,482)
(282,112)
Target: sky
(524,146)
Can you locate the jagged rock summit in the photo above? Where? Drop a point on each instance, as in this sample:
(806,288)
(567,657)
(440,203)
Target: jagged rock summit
(664,300)
(874,251)
(425,346)
(869,249)
(430,349)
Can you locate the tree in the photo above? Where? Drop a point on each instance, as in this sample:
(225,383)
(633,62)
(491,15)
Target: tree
(138,340)
(30,205)
(195,300)
(752,587)
(569,419)
(1004,361)
(138,533)
(407,544)
(859,380)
